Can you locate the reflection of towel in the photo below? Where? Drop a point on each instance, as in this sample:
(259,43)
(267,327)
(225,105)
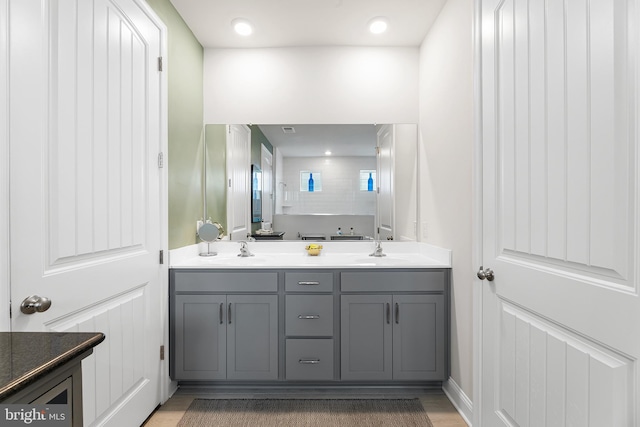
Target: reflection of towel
(262,232)
(266,226)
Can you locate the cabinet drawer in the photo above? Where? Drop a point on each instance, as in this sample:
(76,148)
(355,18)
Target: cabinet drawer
(393,281)
(309,315)
(221,281)
(309,359)
(308,282)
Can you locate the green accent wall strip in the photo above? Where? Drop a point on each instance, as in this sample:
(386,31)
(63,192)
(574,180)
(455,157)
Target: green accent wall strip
(184,68)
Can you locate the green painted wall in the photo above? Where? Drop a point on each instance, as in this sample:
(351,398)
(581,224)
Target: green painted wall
(258,139)
(216,188)
(184,68)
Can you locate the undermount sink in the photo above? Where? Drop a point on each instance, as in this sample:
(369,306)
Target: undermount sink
(228,259)
(385,260)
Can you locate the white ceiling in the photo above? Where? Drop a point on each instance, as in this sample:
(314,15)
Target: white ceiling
(281,23)
(288,23)
(314,140)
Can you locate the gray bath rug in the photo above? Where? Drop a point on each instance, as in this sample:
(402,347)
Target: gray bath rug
(305,412)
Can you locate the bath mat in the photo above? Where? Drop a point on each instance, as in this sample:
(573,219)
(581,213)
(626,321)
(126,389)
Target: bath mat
(305,413)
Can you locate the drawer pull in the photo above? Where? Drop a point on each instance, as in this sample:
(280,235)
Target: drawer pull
(312,283)
(309,361)
(309,316)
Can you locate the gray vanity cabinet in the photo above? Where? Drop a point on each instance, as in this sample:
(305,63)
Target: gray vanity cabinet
(394,325)
(224,336)
(324,326)
(393,337)
(200,337)
(232,337)
(252,337)
(366,335)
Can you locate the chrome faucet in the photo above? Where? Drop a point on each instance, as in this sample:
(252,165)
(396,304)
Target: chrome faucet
(377,252)
(244,250)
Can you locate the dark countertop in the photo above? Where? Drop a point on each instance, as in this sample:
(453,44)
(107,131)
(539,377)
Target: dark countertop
(273,235)
(26,357)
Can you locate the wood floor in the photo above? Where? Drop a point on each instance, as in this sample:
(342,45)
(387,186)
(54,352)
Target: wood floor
(440,410)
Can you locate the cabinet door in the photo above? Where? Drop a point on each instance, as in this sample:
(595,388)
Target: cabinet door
(419,342)
(366,337)
(252,337)
(200,337)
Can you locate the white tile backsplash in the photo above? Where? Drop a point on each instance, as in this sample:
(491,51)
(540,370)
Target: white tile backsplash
(340,186)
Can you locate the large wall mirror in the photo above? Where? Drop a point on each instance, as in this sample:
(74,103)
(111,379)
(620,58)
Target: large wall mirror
(331,182)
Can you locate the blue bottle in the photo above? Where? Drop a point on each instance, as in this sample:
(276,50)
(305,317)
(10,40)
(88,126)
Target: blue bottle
(370,183)
(311,183)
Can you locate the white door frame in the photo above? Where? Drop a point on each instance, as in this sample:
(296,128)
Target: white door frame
(167,387)
(5,324)
(476,250)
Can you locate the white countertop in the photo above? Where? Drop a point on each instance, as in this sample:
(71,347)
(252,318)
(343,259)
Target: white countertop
(291,254)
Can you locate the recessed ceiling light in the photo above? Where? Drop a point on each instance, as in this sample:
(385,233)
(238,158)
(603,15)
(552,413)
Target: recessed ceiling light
(378,25)
(327,153)
(242,26)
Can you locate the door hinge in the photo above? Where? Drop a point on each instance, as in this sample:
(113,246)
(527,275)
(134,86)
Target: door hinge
(161,257)
(160,160)
(162,352)
(160,63)
(229,182)
(10,310)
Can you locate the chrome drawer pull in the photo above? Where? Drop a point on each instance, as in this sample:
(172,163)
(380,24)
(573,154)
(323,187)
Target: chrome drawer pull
(309,316)
(308,283)
(309,361)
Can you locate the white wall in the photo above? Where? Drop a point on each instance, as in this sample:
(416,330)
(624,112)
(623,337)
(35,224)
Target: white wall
(446,127)
(311,85)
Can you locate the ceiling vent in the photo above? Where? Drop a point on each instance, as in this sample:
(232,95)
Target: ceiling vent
(288,129)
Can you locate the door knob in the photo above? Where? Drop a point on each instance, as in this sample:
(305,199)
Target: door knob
(485,274)
(35,303)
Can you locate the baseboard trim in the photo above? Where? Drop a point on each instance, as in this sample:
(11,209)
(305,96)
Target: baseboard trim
(459,399)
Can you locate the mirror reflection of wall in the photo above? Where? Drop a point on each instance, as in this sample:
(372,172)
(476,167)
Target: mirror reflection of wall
(343,195)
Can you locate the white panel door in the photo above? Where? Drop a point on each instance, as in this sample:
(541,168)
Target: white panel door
(85,201)
(385,172)
(561,320)
(239,176)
